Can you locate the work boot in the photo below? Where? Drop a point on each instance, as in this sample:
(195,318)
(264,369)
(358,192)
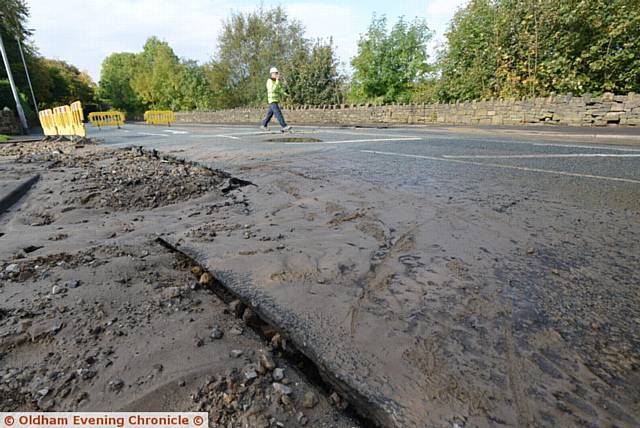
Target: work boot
(286,128)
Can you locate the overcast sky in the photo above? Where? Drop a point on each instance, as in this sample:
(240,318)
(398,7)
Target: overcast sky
(84,32)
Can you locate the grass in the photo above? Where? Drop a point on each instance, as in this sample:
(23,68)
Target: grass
(4,138)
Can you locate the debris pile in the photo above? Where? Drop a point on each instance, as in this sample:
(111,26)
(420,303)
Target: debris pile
(260,395)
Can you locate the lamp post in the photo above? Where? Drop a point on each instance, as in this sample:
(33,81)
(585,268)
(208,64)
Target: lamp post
(26,71)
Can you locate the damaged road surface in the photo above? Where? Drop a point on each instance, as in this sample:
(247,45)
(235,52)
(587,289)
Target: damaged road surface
(432,279)
(97,315)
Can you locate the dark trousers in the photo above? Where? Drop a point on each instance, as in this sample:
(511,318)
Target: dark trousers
(274,108)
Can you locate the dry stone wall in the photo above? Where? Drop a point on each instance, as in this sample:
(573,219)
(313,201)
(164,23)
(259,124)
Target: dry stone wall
(9,124)
(586,110)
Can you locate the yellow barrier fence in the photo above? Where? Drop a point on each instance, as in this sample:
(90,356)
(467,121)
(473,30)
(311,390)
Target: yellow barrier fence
(63,121)
(159,117)
(77,121)
(47,122)
(106,118)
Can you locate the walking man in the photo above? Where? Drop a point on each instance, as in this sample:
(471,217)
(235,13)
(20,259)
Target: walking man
(274,92)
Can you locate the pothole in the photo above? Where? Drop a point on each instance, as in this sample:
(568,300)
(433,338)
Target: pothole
(294,140)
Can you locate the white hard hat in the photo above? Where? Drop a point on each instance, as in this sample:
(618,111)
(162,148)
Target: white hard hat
(273,70)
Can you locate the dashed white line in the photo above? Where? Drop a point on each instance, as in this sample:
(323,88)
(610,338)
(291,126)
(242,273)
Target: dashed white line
(547,155)
(365,133)
(584,146)
(152,134)
(494,165)
(214,136)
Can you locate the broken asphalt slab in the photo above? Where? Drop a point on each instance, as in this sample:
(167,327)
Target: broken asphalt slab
(96,316)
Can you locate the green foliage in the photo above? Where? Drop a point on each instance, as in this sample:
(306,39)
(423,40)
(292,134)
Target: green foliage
(115,89)
(194,90)
(14,16)
(469,63)
(156,75)
(390,64)
(68,84)
(514,48)
(311,77)
(153,79)
(251,43)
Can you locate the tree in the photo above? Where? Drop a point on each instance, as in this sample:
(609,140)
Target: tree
(14,14)
(312,75)
(153,79)
(195,93)
(115,89)
(390,64)
(68,84)
(157,76)
(251,43)
(468,66)
(515,48)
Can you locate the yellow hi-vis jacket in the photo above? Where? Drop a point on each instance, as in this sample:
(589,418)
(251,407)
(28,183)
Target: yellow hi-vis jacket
(274,91)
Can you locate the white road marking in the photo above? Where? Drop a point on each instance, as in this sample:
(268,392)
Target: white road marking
(152,134)
(175,132)
(369,140)
(584,146)
(250,133)
(494,165)
(214,136)
(547,155)
(365,134)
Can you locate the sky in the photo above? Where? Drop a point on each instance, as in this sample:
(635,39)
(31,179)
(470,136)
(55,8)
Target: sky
(84,32)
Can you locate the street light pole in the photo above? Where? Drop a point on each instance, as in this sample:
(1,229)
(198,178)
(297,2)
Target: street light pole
(26,71)
(23,119)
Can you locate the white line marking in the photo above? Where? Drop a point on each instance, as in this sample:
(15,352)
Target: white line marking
(369,140)
(364,133)
(152,134)
(494,165)
(584,146)
(251,133)
(548,155)
(214,136)
(173,131)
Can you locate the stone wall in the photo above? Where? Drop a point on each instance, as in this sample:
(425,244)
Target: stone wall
(605,110)
(9,124)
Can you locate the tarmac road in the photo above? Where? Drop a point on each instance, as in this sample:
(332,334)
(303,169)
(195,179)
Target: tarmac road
(479,277)
(578,168)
